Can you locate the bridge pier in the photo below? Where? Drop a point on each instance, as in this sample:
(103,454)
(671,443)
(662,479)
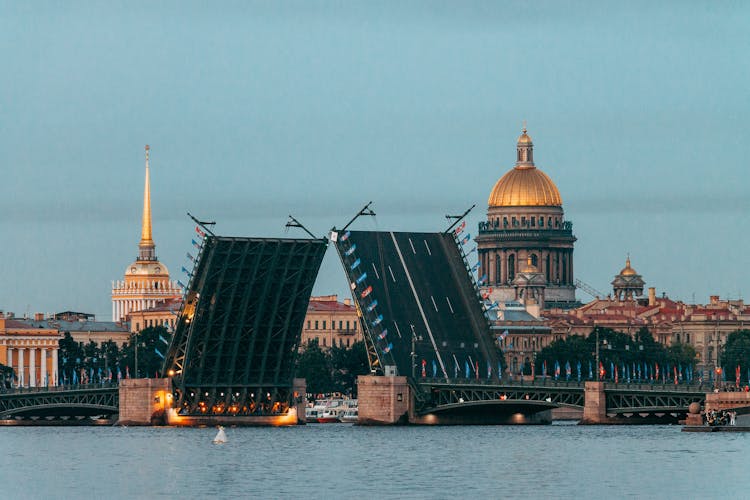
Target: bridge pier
(143,401)
(383,400)
(595,404)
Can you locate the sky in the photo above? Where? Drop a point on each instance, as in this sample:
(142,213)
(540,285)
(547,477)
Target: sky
(257,110)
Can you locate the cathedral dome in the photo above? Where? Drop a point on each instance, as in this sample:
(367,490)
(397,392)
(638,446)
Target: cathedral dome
(525,185)
(522,187)
(627,270)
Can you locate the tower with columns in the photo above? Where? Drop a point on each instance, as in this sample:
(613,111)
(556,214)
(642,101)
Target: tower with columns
(146,282)
(526,228)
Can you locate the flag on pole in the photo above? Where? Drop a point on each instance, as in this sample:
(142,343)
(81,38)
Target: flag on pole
(355,264)
(460,227)
(591,372)
(578,369)
(345,236)
(466,367)
(196,244)
(434,368)
(201,233)
(187,254)
(384,333)
(737,376)
(424,368)
(466,239)
(362,277)
(351,250)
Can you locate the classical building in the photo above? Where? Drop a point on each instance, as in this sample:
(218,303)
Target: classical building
(331,323)
(146,282)
(526,226)
(31,350)
(164,313)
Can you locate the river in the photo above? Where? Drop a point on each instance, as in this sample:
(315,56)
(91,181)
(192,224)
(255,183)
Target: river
(345,461)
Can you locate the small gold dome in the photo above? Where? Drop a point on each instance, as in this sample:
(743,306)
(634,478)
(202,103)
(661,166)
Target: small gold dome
(627,270)
(524,187)
(529,268)
(524,138)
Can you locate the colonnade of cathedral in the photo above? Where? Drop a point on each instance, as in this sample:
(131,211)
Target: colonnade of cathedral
(502,265)
(34,362)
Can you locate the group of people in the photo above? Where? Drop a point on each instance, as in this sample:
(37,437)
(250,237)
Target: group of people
(721,417)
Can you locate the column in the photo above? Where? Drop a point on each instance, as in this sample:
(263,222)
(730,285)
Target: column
(32,366)
(21,378)
(43,378)
(54,367)
(10,357)
(491,271)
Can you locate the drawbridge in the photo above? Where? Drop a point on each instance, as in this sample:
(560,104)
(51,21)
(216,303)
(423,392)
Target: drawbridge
(235,345)
(420,307)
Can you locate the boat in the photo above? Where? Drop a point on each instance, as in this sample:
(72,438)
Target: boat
(350,416)
(221,436)
(330,416)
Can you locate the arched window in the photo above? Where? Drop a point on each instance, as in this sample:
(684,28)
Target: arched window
(511,267)
(534,260)
(505,222)
(546,266)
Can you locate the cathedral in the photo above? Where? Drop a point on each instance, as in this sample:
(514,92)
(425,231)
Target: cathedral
(526,246)
(146,285)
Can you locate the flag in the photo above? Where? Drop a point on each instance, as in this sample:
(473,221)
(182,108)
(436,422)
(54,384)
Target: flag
(471,251)
(388,348)
(578,368)
(675,375)
(612,370)
(196,244)
(568,370)
(499,370)
(362,277)
(158,353)
(557,369)
(186,271)
(455,367)
(481,280)
(201,233)
(476,370)
(460,227)
(591,372)
(377,320)
(345,236)
(119,374)
(434,368)
(737,376)
(181,284)
(489,370)
(351,250)
(617,378)
(424,368)
(544,369)
(602,372)
(475,266)
(503,335)
(657,371)
(127,371)
(354,264)
(366,292)
(466,366)
(372,305)
(466,239)
(163,339)
(189,257)
(384,333)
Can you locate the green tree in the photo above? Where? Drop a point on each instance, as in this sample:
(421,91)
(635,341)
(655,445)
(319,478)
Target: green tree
(314,365)
(70,359)
(347,364)
(147,341)
(737,353)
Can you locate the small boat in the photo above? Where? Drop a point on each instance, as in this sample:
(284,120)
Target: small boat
(329,417)
(221,436)
(350,416)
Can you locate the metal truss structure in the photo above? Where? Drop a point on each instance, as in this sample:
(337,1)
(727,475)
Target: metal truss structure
(235,346)
(83,402)
(642,398)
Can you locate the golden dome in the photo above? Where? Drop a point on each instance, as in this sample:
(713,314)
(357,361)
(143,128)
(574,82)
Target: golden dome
(627,270)
(524,138)
(529,268)
(525,186)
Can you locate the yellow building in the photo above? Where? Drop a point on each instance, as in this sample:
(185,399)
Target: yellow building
(331,323)
(31,350)
(162,314)
(146,282)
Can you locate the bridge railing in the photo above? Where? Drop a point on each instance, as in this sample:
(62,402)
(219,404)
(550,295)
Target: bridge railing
(550,382)
(58,388)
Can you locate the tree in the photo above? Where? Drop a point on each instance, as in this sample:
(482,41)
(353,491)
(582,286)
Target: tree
(737,353)
(314,365)
(147,342)
(347,364)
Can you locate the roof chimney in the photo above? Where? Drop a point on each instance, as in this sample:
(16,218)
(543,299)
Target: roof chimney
(651,296)
(38,316)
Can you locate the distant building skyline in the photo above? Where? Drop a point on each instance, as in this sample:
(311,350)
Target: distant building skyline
(258,110)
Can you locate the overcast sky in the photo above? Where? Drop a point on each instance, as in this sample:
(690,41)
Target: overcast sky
(638,112)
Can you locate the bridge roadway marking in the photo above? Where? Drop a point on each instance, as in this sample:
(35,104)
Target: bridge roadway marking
(419,304)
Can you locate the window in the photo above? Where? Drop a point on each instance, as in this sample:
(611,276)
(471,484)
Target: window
(687,338)
(324,325)
(511,267)
(513,221)
(347,325)
(533,222)
(137,327)
(347,342)
(541,221)
(324,341)
(505,222)
(523,221)
(341,323)
(549,221)
(534,260)
(308,324)
(316,324)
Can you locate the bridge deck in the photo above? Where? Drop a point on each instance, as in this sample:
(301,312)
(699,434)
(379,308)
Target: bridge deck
(419,285)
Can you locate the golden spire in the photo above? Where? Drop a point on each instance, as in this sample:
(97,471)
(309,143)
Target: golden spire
(146,246)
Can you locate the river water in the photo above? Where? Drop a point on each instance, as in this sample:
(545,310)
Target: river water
(345,461)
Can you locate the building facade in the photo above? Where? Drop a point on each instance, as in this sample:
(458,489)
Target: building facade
(525,227)
(146,283)
(331,323)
